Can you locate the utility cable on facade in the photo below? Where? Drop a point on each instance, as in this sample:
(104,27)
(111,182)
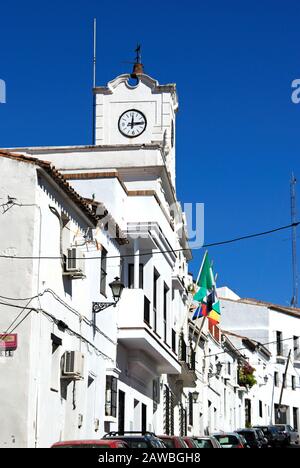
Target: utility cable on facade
(141,254)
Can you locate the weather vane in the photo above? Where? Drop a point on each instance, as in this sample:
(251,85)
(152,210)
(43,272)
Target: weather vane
(138,58)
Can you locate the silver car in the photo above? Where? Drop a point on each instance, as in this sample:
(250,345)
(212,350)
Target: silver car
(291,435)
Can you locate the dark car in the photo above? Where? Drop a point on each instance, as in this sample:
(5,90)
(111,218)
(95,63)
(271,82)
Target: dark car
(173,441)
(105,444)
(274,435)
(251,437)
(136,439)
(207,442)
(230,440)
(261,437)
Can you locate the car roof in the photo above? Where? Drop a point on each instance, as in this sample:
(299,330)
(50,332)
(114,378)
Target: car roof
(247,429)
(86,442)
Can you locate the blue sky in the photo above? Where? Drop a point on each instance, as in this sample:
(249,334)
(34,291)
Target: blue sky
(237,128)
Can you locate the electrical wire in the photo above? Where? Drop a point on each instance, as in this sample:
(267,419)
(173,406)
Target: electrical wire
(91,344)
(244,347)
(141,254)
(56,321)
(62,302)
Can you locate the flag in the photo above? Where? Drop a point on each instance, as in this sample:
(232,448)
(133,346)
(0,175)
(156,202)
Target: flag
(206,296)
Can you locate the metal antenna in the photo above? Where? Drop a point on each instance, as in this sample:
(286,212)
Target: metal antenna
(94,82)
(294,301)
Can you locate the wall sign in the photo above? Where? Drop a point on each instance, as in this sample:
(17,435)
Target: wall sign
(8,342)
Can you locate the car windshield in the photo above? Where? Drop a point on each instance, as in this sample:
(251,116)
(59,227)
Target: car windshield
(280,428)
(227,440)
(204,443)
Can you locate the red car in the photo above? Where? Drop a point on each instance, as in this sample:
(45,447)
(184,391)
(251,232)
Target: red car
(190,442)
(173,441)
(118,444)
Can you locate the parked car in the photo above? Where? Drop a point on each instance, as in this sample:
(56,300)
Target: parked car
(173,441)
(136,439)
(269,433)
(261,437)
(290,434)
(105,444)
(190,442)
(207,442)
(230,440)
(251,437)
(274,437)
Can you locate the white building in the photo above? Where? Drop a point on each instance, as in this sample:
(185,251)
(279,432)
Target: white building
(141,364)
(277,328)
(46,308)
(131,170)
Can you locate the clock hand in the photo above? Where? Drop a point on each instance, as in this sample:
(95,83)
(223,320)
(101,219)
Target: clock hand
(138,123)
(132,121)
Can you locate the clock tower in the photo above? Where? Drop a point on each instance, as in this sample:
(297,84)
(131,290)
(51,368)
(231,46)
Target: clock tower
(134,109)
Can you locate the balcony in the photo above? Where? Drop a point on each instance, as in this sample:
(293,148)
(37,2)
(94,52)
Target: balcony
(187,359)
(146,347)
(282,354)
(296,359)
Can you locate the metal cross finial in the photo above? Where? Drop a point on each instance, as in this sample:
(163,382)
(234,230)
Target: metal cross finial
(138,58)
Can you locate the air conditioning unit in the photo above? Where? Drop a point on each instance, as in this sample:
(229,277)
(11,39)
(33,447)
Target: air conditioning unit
(73,365)
(74,263)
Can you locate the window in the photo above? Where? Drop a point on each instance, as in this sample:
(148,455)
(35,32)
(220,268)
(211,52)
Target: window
(168,411)
(111,396)
(166,291)
(55,363)
(260,408)
(293,382)
(131,276)
(191,418)
(279,347)
(155,290)
(276,379)
(173,340)
(182,421)
(296,347)
(103,272)
(284,380)
(146,310)
(229,368)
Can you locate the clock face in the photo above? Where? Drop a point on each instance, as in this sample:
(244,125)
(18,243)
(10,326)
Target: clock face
(132,123)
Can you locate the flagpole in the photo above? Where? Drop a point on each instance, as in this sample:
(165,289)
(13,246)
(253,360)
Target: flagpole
(203,260)
(191,298)
(202,324)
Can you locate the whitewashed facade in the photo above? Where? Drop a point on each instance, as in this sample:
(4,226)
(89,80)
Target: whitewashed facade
(42,217)
(278,329)
(145,366)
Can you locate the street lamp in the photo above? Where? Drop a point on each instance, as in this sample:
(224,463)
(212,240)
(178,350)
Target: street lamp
(116,287)
(195,395)
(219,366)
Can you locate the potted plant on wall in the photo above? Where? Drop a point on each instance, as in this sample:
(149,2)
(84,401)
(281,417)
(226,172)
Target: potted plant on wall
(246,377)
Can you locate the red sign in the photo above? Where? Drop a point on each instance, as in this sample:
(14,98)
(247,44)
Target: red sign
(8,342)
